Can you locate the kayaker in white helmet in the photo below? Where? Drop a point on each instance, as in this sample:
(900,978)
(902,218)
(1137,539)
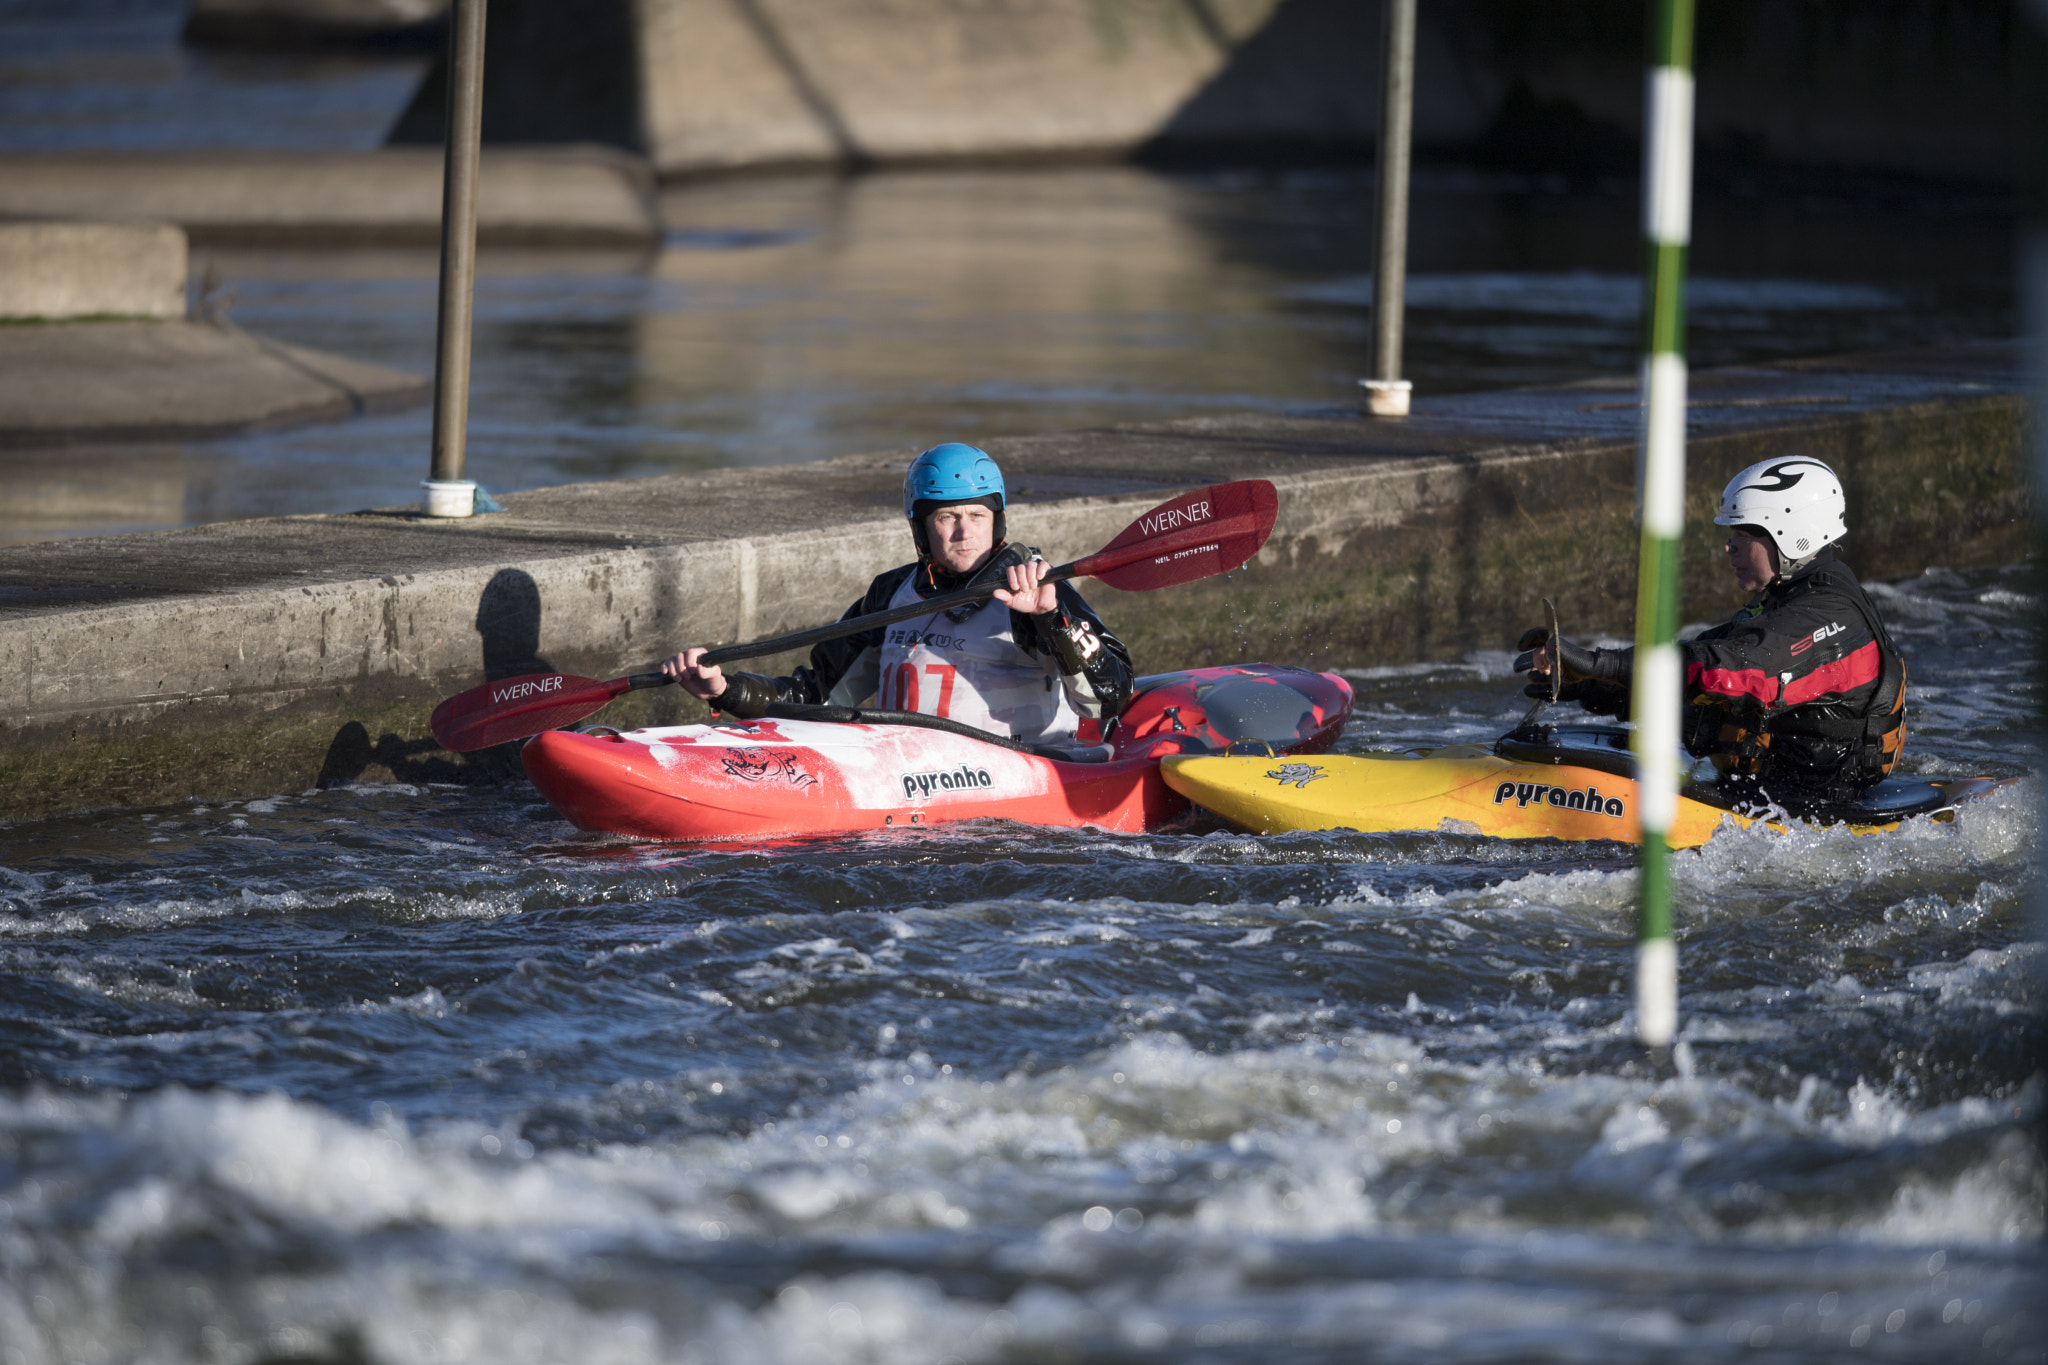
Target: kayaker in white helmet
(1802,692)
(1033,662)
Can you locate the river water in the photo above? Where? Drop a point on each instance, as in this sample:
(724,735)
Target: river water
(387,1073)
(811,316)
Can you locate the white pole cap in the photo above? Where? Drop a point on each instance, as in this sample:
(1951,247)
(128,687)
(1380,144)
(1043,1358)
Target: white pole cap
(1386,397)
(448,497)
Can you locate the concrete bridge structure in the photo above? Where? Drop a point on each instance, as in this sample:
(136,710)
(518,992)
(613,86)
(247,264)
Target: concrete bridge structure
(1920,86)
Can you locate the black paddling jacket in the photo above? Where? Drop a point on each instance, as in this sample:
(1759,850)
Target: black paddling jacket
(1093,663)
(1802,688)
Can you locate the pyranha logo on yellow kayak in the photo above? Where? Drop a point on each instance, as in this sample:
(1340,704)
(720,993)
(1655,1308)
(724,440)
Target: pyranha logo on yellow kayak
(1299,775)
(1589,799)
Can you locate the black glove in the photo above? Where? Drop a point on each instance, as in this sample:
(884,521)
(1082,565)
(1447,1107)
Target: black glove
(1074,644)
(1575,663)
(746,697)
(1599,698)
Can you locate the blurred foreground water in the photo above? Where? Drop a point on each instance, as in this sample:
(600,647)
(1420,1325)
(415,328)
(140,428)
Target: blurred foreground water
(385,1073)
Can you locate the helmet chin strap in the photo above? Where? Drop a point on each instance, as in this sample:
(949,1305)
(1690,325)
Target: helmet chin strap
(931,567)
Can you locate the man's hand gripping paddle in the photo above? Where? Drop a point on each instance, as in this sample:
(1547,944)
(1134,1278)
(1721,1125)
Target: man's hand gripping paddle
(1185,539)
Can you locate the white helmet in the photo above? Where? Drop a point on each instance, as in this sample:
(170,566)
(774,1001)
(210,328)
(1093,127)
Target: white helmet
(1796,499)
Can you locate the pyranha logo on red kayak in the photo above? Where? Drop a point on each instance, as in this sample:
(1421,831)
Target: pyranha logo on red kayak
(1589,799)
(962,778)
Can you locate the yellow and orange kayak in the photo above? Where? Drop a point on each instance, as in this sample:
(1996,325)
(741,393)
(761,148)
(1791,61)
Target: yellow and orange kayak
(1568,784)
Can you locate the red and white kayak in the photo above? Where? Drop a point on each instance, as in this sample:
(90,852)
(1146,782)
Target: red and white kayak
(752,779)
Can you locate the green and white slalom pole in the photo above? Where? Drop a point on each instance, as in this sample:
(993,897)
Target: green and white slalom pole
(1667,226)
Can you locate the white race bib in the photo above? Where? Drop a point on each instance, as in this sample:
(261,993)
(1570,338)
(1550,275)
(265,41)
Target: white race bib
(972,671)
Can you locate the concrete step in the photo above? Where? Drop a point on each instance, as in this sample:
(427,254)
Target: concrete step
(69,382)
(535,196)
(58,270)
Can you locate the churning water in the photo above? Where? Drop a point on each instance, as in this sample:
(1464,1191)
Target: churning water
(393,1074)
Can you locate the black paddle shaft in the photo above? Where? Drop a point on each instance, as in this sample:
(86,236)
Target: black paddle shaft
(853,625)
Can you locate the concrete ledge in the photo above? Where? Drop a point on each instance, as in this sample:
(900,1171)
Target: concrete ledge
(51,271)
(571,195)
(288,24)
(252,657)
(70,382)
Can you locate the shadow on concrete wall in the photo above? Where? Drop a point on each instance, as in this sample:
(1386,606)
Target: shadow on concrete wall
(1866,92)
(1203,12)
(1305,84)
(508,623)
(353,753)
(508,628)
(553,72)
(851,155)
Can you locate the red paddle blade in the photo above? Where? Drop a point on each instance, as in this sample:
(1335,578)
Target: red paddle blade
(1196,535)
(515,708)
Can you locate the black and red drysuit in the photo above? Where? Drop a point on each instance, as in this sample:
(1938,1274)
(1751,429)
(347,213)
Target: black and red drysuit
(1802,693)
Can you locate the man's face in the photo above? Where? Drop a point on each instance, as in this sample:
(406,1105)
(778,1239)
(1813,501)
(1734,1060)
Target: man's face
(1753,558)
(961,537)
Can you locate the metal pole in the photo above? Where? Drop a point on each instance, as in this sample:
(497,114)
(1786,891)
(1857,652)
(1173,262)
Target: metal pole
(1667,229)
(1386,393)
(2033,53)
(448,494)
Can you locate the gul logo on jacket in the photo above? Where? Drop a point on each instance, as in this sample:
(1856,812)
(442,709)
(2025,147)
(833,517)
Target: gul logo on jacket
(1588,800)
(962,778)
(1830,629)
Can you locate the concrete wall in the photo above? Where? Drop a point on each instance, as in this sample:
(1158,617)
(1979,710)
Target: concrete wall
(733,82)
(59,270)
(536,196)
(1442,558)
(1918,85)
(106,380)
(305,23)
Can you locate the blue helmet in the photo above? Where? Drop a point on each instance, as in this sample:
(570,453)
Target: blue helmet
(952,472)
(948,474)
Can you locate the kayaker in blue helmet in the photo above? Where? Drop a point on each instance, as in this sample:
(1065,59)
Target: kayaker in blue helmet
(1802,693)
(1033,662)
